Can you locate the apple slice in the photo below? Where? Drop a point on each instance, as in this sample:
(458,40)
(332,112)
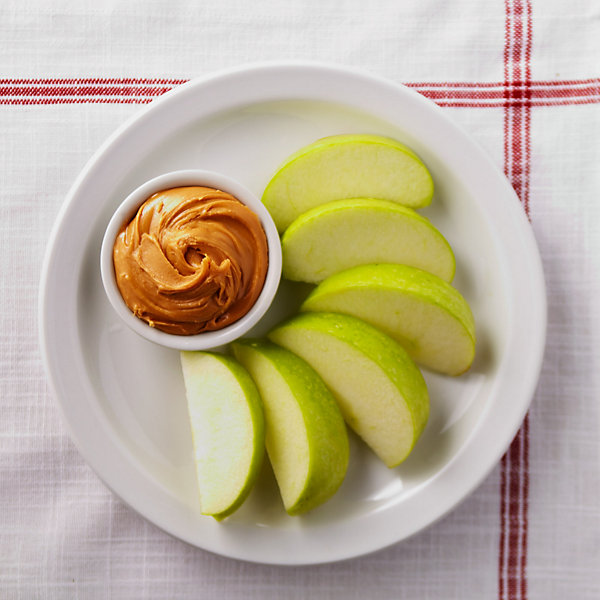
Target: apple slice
(346,166)
(338,235)
(306,439)
(423,312)
(228,434)
(379,390)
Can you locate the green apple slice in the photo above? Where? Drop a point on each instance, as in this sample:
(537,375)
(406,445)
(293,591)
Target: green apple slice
(347,166)
(228,432)
(379,390)
(338,235)
(306,439)
(421,311)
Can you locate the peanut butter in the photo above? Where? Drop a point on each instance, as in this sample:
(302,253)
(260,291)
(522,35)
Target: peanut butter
(192,259)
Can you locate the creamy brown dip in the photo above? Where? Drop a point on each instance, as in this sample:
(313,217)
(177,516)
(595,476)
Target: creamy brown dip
(192,259)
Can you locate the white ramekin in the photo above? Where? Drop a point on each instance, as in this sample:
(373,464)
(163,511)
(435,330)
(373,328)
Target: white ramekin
(126,211)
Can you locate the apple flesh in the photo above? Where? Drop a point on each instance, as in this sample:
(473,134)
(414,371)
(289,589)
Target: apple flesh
(380,391)
(306,439)
(422,312)
(346,166)
(226,419)
(338,235)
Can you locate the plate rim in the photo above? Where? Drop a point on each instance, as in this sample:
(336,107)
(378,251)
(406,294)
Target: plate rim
(307,69)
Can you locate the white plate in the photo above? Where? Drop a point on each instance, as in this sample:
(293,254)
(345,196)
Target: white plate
(123,397)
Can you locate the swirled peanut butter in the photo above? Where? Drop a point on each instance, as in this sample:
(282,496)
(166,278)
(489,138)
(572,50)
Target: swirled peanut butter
(192,259)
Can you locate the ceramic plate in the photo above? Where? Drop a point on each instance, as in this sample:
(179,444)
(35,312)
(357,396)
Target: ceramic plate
(123,397)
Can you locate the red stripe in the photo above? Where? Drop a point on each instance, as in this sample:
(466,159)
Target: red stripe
(525,506)
(172,82)
(45,101)
(594,81)
(503,504)
(512,92)
(514,476)
(449,94)
(514,531)
(475,104)
(528,51)
(93,80)
(82,90)
(514,95)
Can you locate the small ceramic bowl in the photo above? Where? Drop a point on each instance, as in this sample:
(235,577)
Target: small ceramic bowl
(126,211)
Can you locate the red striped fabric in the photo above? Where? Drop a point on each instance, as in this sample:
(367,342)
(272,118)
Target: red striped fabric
(514,470)
(516,96)
(84,90)
(445,93)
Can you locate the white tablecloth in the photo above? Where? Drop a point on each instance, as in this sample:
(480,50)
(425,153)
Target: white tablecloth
(520,75)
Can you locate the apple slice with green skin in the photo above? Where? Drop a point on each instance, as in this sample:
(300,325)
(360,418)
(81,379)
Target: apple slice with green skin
(306,439)
(228,433)
(379,389)
(346,166)
(421,311)
(338,235)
